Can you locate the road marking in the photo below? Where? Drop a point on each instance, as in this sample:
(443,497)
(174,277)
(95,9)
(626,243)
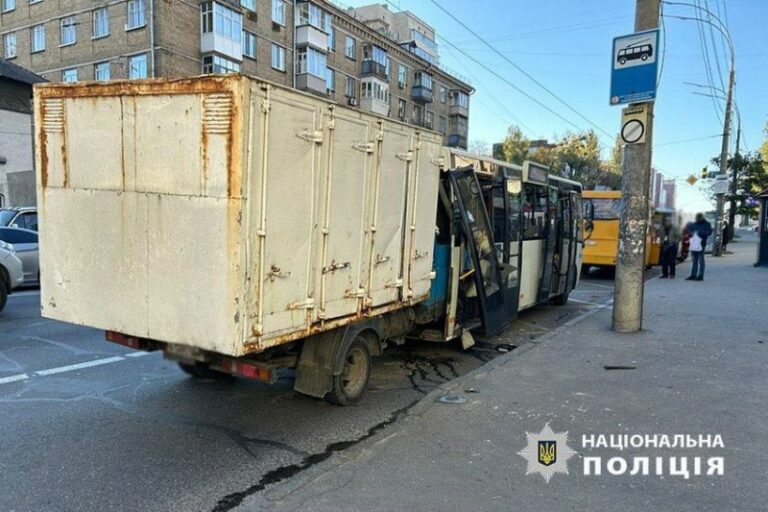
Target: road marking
(79,366)
(585,302)
(595,284)
(14,378)
(137,354)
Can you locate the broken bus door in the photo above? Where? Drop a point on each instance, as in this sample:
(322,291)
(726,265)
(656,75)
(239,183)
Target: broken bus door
(478,237)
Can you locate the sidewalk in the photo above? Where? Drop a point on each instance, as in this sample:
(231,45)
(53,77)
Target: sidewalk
(701,367)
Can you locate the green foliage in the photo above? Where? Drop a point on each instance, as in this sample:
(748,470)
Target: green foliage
(516,146)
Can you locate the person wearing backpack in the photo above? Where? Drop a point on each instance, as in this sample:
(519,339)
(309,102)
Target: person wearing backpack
(699,232)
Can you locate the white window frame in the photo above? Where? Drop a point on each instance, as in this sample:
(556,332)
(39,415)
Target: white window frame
(402,76)
(100,66)
(10,45)
(278,12)
(99,22)
(227,23)
(350,87)
(135,15)
(247,36)
(34,32)
(131,60)
(248,4)
(279,52)
(350,50)
(206,17)
(9,5)
(65,72)
(330,80)
(68,28)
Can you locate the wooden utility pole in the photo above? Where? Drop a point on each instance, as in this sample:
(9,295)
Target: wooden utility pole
(717,248)
(635,189)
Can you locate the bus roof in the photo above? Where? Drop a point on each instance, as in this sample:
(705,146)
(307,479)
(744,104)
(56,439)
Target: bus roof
(601,194)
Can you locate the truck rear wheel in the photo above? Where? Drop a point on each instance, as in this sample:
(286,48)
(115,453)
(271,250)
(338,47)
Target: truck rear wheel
(350,384)
(203,371)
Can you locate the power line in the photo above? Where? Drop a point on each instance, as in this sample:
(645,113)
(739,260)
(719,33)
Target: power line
(521,70)
(683,141)
(715,51)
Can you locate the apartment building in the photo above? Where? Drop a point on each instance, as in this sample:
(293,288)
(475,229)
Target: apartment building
(344,54)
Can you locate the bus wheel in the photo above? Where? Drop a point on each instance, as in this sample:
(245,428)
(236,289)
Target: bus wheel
(350,384)
(561,300)
(203,371)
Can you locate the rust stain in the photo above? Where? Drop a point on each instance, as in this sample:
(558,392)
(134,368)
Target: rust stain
(43,144)
(122,143)
(204,157)
(64,161)
(195,85)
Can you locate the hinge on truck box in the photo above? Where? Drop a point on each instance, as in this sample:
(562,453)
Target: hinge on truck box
(365,147)
(336,266)
(307,303)
(275,271)
(381,259)
(440,162)
(406,157)
(265,106)
(418,254)
(353,294)
(397,283)
(311,135)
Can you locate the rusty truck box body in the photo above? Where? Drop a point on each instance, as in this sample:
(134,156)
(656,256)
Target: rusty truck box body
(227,213)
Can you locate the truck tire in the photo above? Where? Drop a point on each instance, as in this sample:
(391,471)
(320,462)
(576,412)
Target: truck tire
(203,371)
(562,299)
(3,295)
(350,384)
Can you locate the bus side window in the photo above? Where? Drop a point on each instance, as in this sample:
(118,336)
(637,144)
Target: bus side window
(534,211)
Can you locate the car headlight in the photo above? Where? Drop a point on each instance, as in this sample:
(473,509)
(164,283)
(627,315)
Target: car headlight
(7,246)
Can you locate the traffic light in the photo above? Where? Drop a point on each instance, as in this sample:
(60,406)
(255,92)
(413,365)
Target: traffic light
(704,173)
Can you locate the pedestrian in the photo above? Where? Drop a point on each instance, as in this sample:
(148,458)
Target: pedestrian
(670,237)
(699,231)
(727,234)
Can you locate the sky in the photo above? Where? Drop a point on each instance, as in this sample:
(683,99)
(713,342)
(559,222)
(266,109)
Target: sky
(565,45)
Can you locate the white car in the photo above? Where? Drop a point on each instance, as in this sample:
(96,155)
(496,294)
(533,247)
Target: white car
(11,272)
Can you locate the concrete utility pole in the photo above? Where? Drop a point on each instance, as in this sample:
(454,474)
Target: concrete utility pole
(717,249)
(635,189)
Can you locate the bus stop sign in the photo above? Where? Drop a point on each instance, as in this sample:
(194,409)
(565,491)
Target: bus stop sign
(634,67)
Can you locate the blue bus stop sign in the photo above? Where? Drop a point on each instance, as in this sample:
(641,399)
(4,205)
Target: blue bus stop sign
(634,67)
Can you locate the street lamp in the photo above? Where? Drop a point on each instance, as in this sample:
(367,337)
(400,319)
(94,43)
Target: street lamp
(717,250)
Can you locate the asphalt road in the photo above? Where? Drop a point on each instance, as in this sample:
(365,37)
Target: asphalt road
(86,425)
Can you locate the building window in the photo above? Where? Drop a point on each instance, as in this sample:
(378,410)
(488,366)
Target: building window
(418,115)
(10,45)
(429,119)
(101,71)
(9,5)
(69,75)
(402,76)
(37,34)
(100,23)
(68,34)
(422,79)
(376,90)
(219,65)
(35,1)
(309,60)
(278,12)
(442,124)
(350,49)
(249,4)
(443,94)
(278,57)
(311,14)
(135,14)
(249,44)
(401,106)
(459,99)
(221,20)
(331,36)
(137,66)
(350,87)
(330,80)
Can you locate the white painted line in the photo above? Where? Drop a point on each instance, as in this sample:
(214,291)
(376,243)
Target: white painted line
(571,299)
(137,354)
(79,366)
(595,284)
(14,378)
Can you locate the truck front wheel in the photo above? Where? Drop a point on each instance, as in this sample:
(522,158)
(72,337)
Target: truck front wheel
(350,384)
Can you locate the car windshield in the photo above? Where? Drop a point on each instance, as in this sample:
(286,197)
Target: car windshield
(605,209)
(6,216)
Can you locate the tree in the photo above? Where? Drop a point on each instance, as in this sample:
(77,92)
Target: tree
(516,146)
(614,164)
(480,147)
(752,177)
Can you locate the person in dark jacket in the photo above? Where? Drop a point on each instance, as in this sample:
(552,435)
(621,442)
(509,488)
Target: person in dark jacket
(670,237)
(699,230)
(727,235)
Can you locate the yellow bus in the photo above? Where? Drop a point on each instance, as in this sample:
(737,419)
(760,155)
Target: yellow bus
(601,245)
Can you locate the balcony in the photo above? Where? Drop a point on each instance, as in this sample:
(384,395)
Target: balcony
(458,110)
(216,43)
(421,94)
(311,83)
(456,140)
(312,36)
(373,68)
(375,105)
